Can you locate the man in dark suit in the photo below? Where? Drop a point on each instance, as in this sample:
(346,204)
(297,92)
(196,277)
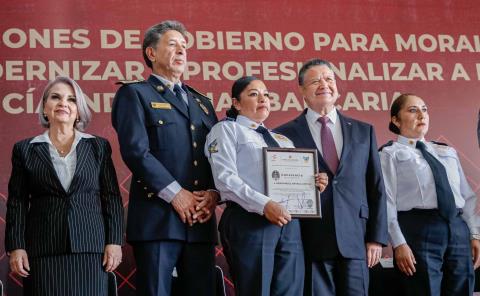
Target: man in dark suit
(162,125)
(349,237)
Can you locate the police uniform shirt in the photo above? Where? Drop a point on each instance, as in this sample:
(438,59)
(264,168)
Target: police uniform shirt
(234,150)
(410,185)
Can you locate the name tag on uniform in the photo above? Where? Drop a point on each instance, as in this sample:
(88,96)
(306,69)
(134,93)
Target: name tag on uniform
(157,105)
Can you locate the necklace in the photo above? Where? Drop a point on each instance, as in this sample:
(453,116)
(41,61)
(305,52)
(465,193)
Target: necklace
(62,149)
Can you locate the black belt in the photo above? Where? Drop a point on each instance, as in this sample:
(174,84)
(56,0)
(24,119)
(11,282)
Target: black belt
(429,212)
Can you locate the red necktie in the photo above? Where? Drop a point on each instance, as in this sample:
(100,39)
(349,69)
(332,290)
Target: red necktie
(328,145)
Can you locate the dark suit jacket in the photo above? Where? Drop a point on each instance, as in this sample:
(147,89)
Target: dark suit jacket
(44,219)
(354,202)
(161,143)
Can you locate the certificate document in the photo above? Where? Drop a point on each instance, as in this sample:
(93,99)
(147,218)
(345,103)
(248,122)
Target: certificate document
(290,181)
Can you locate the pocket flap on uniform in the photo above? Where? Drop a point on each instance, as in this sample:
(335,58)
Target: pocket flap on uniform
(364,211)
(403,155)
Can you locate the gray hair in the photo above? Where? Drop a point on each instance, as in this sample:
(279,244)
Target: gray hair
(309,64)
(155,32)
(84,114)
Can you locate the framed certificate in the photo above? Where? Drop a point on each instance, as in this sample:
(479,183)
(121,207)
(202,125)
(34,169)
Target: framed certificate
(290,181)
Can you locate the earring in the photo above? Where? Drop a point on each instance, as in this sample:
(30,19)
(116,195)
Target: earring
(77,120)
(45,117)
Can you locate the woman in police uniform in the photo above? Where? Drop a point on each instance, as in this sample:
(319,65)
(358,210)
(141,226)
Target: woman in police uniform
(431,208)
(261,241)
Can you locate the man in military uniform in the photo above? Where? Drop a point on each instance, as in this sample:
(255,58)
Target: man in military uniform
(162,124)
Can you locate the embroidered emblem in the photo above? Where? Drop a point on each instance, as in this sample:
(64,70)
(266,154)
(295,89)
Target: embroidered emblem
(279,137)
(212,148)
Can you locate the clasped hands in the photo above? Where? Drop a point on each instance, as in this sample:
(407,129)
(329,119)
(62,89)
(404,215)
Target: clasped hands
(196,206)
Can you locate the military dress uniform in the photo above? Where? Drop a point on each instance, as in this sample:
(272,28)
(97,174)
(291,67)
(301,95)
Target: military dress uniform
(161,131)
(441,248)
(264,259)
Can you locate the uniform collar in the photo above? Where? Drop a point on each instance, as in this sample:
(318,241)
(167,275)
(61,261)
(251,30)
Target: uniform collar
(167,82)
(44,138)
(247,122)
(313,116)
(410,142)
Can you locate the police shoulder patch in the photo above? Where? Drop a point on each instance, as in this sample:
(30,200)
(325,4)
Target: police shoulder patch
(213,147)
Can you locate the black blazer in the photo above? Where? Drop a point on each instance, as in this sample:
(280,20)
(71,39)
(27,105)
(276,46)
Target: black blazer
(44,219)
(354,205)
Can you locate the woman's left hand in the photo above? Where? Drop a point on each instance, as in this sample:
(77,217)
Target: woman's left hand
(112,257)
(475,244)
(321,181)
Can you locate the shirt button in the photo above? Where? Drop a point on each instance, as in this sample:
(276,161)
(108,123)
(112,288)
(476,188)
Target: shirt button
(150,195)
(160,122)
(194,144)
(192,127)
(195,182)
(145,188)
(195,163)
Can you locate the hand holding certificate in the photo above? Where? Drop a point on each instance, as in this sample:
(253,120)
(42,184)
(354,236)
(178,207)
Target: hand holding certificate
(290,180)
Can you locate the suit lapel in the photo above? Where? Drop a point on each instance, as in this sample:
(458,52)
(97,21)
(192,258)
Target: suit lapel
(82,150)
(194,106)
(167,94)
(306,137)
(347,138)
(44,155)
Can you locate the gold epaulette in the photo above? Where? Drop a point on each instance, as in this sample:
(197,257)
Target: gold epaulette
(126,82)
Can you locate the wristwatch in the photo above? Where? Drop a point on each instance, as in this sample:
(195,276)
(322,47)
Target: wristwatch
(475,236)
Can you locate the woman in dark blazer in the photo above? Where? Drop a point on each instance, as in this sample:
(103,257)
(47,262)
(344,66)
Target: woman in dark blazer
(64,226)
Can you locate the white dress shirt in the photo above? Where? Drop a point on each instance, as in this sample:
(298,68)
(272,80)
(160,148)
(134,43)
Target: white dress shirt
(64,166)
(234,150)
(335,127)
(410,185)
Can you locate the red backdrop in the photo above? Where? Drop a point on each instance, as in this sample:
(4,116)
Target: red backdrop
(380,48)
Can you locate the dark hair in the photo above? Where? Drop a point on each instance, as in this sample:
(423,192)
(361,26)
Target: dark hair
(309,64)
(238,86)
(397,105)
(154,33)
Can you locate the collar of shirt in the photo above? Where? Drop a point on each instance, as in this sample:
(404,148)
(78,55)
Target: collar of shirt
(168,83)
(247,122)
(312,116)
(44,138)
(409,141)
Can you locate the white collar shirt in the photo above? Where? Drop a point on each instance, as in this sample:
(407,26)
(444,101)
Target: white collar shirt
(64,166)
(171,85)
(234,150)
(409,183)
(335,127)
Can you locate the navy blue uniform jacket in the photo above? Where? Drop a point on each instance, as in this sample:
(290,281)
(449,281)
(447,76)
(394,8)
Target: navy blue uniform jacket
(354,202)
(161,143)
